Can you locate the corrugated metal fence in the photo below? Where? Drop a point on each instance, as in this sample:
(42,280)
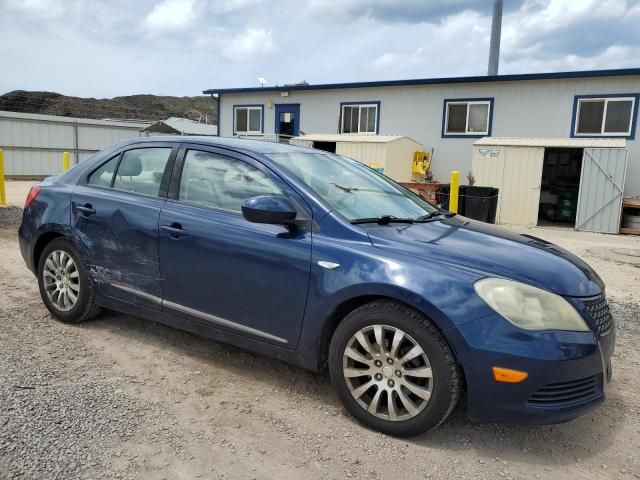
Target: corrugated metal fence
(33,144)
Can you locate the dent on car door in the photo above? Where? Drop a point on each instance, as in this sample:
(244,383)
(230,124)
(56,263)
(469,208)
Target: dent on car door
(115,216)
(222,270)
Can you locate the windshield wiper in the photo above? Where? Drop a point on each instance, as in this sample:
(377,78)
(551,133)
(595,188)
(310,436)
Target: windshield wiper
(431,215)
(384,220)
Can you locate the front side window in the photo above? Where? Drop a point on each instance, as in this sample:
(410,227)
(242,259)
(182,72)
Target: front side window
(248,120)
(141,170)
(215,181)
(360,118)
(351,188)
(611,116)
(467,117)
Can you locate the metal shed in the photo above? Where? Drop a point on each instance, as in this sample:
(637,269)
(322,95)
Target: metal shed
(390,154)
(33,143)
(180,126)
(515,166)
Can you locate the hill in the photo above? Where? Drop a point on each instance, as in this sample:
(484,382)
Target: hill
(140,107)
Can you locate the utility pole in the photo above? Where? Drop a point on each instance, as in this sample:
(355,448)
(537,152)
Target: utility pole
(494,46)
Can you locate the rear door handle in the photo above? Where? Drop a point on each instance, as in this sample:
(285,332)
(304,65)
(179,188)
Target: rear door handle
(86,209)
(175,230)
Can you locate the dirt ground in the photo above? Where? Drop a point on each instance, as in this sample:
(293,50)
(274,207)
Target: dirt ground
(119,397)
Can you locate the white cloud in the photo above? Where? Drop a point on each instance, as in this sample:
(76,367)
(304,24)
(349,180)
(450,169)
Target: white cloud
(170,15)
(38,8)
(249,44)
(181,47)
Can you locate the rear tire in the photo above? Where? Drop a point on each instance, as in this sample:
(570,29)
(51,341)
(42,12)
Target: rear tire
(65,286)
(412,375)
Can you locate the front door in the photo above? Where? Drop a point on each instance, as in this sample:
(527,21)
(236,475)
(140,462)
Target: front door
(221,270)
(287,121)
(115,216)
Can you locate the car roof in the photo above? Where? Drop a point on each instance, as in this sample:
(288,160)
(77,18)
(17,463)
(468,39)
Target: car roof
(257,146)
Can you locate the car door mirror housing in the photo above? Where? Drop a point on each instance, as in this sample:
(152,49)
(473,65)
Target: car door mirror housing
(271,209)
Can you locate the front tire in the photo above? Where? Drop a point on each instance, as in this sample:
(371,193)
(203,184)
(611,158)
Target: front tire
(65,287)
(393,370)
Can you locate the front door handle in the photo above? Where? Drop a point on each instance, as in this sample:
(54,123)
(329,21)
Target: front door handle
(86,209)
(175,230)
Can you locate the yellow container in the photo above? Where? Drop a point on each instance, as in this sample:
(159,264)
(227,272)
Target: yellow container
(421,162)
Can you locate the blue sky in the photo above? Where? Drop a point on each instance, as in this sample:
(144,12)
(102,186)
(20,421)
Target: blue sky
(100,48)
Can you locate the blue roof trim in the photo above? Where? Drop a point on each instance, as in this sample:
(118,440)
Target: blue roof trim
(435,81)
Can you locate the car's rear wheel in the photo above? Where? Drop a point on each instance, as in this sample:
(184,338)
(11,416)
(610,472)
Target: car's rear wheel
(65,287)
(393,369)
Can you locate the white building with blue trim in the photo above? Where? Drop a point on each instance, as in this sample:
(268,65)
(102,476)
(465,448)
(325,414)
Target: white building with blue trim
(448,114)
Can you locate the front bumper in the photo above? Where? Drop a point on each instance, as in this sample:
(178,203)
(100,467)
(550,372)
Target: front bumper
(568,371)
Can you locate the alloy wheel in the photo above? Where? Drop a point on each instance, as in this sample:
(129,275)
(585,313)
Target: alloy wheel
(61,280)
(387,372)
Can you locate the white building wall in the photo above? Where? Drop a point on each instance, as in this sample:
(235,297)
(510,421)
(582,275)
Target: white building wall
(529,108)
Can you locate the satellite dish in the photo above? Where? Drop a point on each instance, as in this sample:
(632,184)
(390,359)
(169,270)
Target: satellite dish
(262,81)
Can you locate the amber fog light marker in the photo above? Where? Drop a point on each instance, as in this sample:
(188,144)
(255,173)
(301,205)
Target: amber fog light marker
(506,375)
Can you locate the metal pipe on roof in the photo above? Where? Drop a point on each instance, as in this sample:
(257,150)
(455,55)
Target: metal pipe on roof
(494,46)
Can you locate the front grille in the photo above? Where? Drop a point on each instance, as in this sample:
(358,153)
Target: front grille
(567,394)
(599,310)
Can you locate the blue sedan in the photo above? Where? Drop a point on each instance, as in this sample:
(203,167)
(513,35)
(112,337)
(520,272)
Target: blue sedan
(322,262)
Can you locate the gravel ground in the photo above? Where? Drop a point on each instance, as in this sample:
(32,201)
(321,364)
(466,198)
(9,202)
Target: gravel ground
(119,397)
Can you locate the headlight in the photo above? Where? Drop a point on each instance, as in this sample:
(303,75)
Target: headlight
(529,307)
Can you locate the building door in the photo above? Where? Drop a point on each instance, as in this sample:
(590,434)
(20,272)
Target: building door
(287,121)
(601,189)
(517,173)
(520,191)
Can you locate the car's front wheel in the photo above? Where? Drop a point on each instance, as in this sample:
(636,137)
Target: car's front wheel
(393,370)
(65,287)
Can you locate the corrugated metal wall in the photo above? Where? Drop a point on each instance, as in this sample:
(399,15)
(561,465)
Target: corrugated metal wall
(33,144)
(517,173)
(520,191)
(601,184)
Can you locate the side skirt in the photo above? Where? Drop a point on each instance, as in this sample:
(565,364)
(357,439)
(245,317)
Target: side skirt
(289,356)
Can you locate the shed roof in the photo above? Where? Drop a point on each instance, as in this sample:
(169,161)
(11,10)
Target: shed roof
(182,126)
(553,142)
(351,137)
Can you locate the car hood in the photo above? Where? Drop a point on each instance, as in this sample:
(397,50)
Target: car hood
(489,250)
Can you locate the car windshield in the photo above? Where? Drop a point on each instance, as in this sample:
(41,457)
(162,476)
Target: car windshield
(354,190)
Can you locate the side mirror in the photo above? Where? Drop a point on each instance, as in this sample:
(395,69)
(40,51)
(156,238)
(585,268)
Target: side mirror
(272,209)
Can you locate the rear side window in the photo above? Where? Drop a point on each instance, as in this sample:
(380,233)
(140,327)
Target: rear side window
(103,176)
(216,181)
(141,170)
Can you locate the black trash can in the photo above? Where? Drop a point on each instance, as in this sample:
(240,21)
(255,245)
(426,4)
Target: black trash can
(479,203)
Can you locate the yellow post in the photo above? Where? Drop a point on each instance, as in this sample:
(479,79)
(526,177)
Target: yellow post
(65,161)
(453,191)
(3,195)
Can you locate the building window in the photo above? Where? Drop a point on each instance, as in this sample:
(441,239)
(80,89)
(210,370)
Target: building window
(612,116)
(247,119)
(359,117)
(467,117)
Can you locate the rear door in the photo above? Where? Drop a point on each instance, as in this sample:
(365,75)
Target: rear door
(601,189)
(115,215)
(222,270)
